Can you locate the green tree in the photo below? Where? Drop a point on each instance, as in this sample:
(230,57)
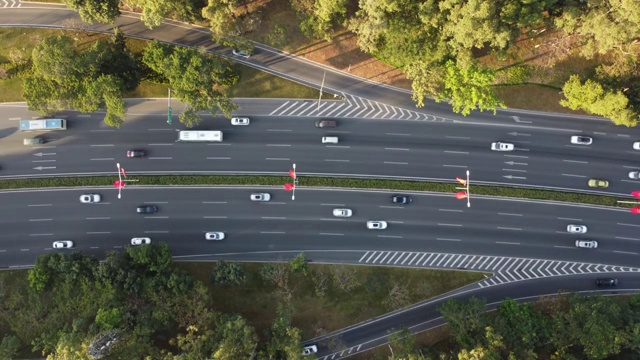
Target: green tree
(222,21)
(403,344)
(109,319)
(197,78)
(238,339)
(9,347)
(284,339)
(593,98)
(105,11)
(155,258)
(469,88)
(228,274)
(299,264)
(427,80)
(326,14)
(522,328)
(466,320)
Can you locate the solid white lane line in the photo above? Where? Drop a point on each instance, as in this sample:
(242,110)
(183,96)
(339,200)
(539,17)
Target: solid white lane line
(279,130)
(156,232)
(569,219)
(336,160)
(332,219)
(100,159)
(626,238)
(161,158)
(509,214)
(275,203)
(450,224)
(398,134)
(160,129)
(396,163)
(507,243)
(625,252)
(623,135)
(332,204)
(219,144)
(397,149)
(564,247)
(338,146)
(623,224)
(599,133)
(49,234)
(42,160)
(218,158)
(155,202)
(272,232)
(98,232)
(457,152)
(156,217)
(214,202)
(517,156)
(40,219)
(40,205)
(273,217)
(395,222)
(391,207)
(576,161)
(96,145)
(99,218)
(458,137)
(451,210)
(334,234)
(447,239)
(284,159)
(456,166)
(514,170)
(390,236)
(572,175)
(509,228)
(214,217)
(278,145)
(160,144)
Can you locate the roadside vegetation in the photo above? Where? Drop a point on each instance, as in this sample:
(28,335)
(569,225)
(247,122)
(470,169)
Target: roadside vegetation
(568,327)
(457,51)
(138,304)
(476,190)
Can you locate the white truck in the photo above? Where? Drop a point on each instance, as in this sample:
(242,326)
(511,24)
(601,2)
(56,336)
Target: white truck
(200,136)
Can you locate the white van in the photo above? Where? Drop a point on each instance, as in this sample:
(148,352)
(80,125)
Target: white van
(329,139)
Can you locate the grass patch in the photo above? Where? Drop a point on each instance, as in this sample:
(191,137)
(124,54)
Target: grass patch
(323,182)
(257,84)
(334,308)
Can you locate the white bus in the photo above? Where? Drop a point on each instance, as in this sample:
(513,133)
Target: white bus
(202,136)
(43,125)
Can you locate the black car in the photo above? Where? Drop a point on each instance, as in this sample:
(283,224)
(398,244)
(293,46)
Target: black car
(607,282)
(147,209)
(136,153)
(401,199)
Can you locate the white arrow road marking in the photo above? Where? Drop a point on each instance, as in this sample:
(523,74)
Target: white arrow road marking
(515,177)
(44,167)
(517,133)
(43,154)
(515,163)
(517,119)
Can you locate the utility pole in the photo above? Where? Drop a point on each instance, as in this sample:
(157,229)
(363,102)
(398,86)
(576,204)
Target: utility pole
(169,106)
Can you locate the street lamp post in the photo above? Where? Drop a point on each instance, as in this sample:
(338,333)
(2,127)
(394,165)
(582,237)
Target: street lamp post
(292,187)
(466,193)
(169,120)
(321,86)
(121,183)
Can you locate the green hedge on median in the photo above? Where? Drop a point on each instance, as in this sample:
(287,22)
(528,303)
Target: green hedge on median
(394,185)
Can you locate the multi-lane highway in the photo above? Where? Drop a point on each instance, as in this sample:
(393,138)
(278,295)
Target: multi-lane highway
(543,156)
(433,223)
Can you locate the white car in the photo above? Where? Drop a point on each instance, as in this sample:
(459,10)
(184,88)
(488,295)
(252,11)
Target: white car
(376,225)
(587,244)
(240,121)
(635,175)
(576,229)
(342,212)
(90,198)
(260,197)
(63,244)
(214,235)
(241,53)
(636,145)
(581,140)
(502,146)
(140,241)
(308,350)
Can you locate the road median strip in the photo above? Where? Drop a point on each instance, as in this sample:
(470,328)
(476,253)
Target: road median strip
(392,185)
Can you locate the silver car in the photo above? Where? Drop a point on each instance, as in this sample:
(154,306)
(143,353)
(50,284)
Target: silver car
(90,198)
(140,241)
(241,53)
(581,140)
(376,225)
(576,229)
(502,146)
(240,121)
(260,197)
(587,244)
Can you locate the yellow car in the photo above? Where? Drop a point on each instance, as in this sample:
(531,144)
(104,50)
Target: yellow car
(598,183)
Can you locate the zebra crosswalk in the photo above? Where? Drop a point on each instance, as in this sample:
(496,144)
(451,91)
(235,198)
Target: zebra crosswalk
(504,269)
(351,107)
